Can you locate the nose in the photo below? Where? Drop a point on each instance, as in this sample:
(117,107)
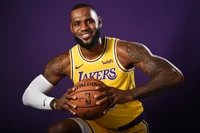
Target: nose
(84,26)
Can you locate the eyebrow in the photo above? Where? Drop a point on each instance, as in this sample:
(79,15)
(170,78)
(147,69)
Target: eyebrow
(90,18)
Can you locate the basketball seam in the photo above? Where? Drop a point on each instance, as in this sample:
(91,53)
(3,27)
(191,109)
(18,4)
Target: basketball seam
(82,91)
(89,106)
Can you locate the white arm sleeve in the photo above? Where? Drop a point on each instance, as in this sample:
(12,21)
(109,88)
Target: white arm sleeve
(35,94)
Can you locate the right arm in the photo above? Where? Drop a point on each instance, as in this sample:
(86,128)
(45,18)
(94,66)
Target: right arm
(35,94)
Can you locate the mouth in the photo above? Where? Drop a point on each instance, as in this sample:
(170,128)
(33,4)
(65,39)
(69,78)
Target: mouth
(86,36)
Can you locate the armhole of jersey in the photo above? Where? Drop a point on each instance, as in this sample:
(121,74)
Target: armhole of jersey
(71,64)
(117,61)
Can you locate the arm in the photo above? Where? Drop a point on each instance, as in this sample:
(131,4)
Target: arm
(164,74)
(35,93)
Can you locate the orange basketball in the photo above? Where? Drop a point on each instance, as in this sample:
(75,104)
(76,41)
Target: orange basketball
(85,102)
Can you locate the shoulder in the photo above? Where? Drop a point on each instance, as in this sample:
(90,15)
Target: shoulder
(133,50)
(129,44)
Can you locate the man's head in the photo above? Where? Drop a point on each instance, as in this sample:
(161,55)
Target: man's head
(85,25)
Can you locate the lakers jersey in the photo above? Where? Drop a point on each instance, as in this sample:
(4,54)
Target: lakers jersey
(108,69)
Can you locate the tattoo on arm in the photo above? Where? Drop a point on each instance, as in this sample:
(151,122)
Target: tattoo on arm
(141,56)
(132,51)
(164,74)
(162,81)
(55,66)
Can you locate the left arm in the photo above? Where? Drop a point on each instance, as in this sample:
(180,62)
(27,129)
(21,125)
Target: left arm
(164,74)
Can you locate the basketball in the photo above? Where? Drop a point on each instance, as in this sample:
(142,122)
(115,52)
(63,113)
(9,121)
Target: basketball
(85,102)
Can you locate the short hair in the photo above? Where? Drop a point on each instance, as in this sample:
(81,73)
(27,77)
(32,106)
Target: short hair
(83,5)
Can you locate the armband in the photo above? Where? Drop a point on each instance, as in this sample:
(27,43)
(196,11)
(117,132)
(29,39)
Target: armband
(35,94)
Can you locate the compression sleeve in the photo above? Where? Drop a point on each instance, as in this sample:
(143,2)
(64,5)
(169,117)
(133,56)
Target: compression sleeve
(35,94)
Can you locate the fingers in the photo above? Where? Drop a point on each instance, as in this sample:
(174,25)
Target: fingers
(107,99)
(70,90)
(114,95)
(69,108)
(64,103)
(111,104)
(101,87)
(105,96)
(103,100)
(67,105)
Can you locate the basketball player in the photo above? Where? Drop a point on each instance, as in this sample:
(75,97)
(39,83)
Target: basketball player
(110,60)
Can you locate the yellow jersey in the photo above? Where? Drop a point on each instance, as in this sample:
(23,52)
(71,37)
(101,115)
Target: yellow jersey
(108,69)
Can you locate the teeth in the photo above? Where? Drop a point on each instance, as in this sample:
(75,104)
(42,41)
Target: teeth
(85,35)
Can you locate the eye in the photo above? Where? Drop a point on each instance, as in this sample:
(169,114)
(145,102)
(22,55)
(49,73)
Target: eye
(76,24)
(90,21)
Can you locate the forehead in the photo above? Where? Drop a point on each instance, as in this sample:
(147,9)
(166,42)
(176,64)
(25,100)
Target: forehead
(83,13)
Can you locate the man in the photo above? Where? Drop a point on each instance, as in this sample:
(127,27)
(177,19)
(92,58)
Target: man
(110,60)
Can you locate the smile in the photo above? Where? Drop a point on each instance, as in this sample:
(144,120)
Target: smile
(86,35)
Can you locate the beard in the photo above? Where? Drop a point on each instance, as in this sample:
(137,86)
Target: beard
(94,41)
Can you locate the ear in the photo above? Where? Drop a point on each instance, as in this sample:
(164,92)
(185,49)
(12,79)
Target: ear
(99,21)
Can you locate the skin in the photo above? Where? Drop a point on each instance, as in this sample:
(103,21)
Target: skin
(84,24)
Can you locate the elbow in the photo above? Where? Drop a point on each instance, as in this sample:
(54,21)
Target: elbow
(24,101)
(179,77)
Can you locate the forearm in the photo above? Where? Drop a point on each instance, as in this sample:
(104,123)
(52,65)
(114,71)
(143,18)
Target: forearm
(35,94)
(162,81)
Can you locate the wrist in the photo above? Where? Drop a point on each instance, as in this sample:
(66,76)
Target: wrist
(53,104)
(129,96)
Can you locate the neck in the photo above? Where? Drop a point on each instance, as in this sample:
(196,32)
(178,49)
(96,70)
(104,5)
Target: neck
(93,52)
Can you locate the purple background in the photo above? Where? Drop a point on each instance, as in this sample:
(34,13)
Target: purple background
(34,31)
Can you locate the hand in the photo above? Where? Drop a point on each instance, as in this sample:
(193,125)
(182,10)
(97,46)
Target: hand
(64,101)
(112,95)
